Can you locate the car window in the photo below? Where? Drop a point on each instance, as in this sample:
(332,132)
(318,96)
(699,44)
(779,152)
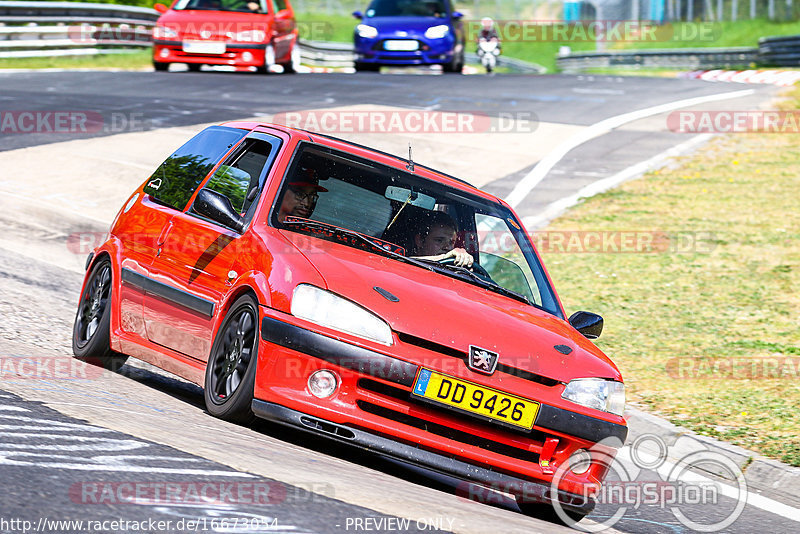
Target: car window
(406,8)
(280,5)
(337,196)
(242,175)
(177,178)
(218,5)
(502,257)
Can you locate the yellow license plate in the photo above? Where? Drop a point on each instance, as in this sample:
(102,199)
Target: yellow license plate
(475,399)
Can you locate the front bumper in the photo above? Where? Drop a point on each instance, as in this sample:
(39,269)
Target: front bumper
(237,54)
(373,409)
(370,51)
(535,491)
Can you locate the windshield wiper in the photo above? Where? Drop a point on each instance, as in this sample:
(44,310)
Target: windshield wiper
(374,245)
(487,284)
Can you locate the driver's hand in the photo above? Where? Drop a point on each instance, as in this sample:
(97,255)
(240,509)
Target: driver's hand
(462,257)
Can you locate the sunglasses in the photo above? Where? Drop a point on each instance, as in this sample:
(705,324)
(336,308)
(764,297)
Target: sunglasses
(302,197)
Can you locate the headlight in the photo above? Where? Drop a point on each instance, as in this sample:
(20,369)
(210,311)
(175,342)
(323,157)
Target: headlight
(437,32)
(606,395)
(250,36)
(328,309)
(367,32)
(164,32)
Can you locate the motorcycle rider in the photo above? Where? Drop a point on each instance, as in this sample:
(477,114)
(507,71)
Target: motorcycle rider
(488,32)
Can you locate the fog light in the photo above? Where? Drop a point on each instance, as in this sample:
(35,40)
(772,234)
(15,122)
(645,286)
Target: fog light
(322,384)
(247,56)
(580,461)
(164,52)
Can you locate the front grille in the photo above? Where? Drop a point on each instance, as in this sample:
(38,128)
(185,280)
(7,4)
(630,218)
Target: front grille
(463,356)
(449,433)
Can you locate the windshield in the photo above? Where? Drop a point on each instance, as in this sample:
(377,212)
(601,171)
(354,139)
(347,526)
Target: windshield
(340,197)
(245,6)
(407,8)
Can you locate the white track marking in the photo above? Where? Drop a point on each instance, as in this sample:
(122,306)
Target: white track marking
(552,210)
(538,173)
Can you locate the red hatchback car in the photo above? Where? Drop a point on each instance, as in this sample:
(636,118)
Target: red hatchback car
(327,286)
(239,33)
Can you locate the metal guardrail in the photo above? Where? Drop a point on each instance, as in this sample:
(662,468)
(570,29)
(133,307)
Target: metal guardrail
(37,29)
(780,51)
(326,54)
(691,58)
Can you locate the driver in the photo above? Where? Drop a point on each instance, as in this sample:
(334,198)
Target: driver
(435,240)
(300,197)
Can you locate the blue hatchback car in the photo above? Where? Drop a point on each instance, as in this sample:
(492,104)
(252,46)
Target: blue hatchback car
(409,32)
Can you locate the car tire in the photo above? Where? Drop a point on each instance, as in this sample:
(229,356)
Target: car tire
(231,368)
(546,511)
(294,65)
(269,60)
(367,67)
(456,65)
(91,332)
(194,67)
(160,66)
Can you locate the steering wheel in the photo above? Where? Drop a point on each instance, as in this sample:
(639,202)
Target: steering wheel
(475,268)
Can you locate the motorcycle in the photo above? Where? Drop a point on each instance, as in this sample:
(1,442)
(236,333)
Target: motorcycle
(488,50)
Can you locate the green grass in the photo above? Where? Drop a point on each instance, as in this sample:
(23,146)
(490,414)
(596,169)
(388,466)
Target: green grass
(139,59)
(707,337)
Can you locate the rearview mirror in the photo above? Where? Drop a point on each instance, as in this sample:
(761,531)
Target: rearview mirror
(218,208)
(358,14)
(405,195)
(161,8)
(587,323)
(457,15)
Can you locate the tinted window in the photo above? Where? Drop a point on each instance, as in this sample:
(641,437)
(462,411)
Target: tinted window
(175,180)
(219,5)
(280,5)
(241,176)
(361,203)
(407,8)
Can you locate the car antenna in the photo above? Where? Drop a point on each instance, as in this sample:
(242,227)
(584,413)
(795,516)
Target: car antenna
(410,164)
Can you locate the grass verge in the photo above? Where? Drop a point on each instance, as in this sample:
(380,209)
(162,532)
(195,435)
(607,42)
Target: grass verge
(707,336)
(134,60)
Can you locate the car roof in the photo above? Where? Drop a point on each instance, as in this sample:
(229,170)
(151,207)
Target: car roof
(430,172)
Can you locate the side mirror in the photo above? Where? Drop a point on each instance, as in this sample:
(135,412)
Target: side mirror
(161,8)
(218,208)
(457,15)
(358,14)
(587,323)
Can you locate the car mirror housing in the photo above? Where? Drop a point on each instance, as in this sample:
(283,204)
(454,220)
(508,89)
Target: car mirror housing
(358,14)
(587,323)
(161,8)
(457,15)
(219,209)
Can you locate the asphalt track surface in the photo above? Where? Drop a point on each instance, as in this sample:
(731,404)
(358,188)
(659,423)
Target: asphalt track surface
(64,439)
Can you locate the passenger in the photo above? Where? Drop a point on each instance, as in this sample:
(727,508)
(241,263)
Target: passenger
(436,238)
(300,197)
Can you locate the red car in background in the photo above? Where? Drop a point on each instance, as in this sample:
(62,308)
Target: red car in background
(285,272)
(239,33)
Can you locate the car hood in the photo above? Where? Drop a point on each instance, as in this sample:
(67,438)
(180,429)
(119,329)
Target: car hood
(413,26)
(456,314)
